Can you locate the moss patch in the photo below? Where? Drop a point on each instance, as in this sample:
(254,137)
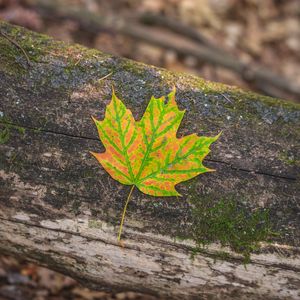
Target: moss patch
(9,57)
(230,225)
(6,128)
(289,159)
(49,59)
(133,67)
(95,224)
(4,135)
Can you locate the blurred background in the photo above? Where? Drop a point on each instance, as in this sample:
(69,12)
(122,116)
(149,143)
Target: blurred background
(252,44)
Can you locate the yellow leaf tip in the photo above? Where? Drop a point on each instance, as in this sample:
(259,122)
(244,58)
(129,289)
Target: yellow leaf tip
(113,94)
(173,92)
(219,134)
(216,137)
(171,96)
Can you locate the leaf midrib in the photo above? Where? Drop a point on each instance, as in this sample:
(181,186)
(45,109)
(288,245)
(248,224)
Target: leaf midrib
(149,146)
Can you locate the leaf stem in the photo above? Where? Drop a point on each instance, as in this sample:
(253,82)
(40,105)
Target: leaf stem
(124,212)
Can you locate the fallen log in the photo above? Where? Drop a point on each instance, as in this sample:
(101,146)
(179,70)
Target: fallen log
(60,209)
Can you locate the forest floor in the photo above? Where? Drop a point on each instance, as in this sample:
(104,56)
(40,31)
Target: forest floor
(20,280)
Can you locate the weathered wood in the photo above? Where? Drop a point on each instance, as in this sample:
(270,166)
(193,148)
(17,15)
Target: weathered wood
(59,208)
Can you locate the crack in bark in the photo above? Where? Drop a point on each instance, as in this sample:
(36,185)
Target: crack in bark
(47,131)
(252,171)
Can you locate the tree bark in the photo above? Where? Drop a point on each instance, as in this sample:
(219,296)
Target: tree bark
(60,209)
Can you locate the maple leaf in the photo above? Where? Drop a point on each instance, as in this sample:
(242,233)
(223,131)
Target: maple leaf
(146,153)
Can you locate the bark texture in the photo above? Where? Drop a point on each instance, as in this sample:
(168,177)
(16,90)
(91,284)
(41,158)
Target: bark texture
(59,208)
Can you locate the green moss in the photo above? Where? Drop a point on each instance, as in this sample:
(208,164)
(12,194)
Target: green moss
(76,207)
(21,130)
(8,55)
(36,45)
(16,162)
(289,159)
(88,173)
(39,48)
(241,102)
(95,224)
(6,130)
(230,225)
(134,67)
(4,135)
(31,43)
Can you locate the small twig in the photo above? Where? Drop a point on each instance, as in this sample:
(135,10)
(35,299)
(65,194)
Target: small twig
(226,98)
(16,45)
(78,61)
(104,77)
(178,27)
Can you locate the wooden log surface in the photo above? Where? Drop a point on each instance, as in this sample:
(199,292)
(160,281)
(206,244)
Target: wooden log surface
(59,208)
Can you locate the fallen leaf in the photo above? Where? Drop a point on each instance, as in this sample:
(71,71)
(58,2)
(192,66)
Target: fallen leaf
(146,153)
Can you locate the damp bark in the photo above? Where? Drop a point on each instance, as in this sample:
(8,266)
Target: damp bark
(59,208)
